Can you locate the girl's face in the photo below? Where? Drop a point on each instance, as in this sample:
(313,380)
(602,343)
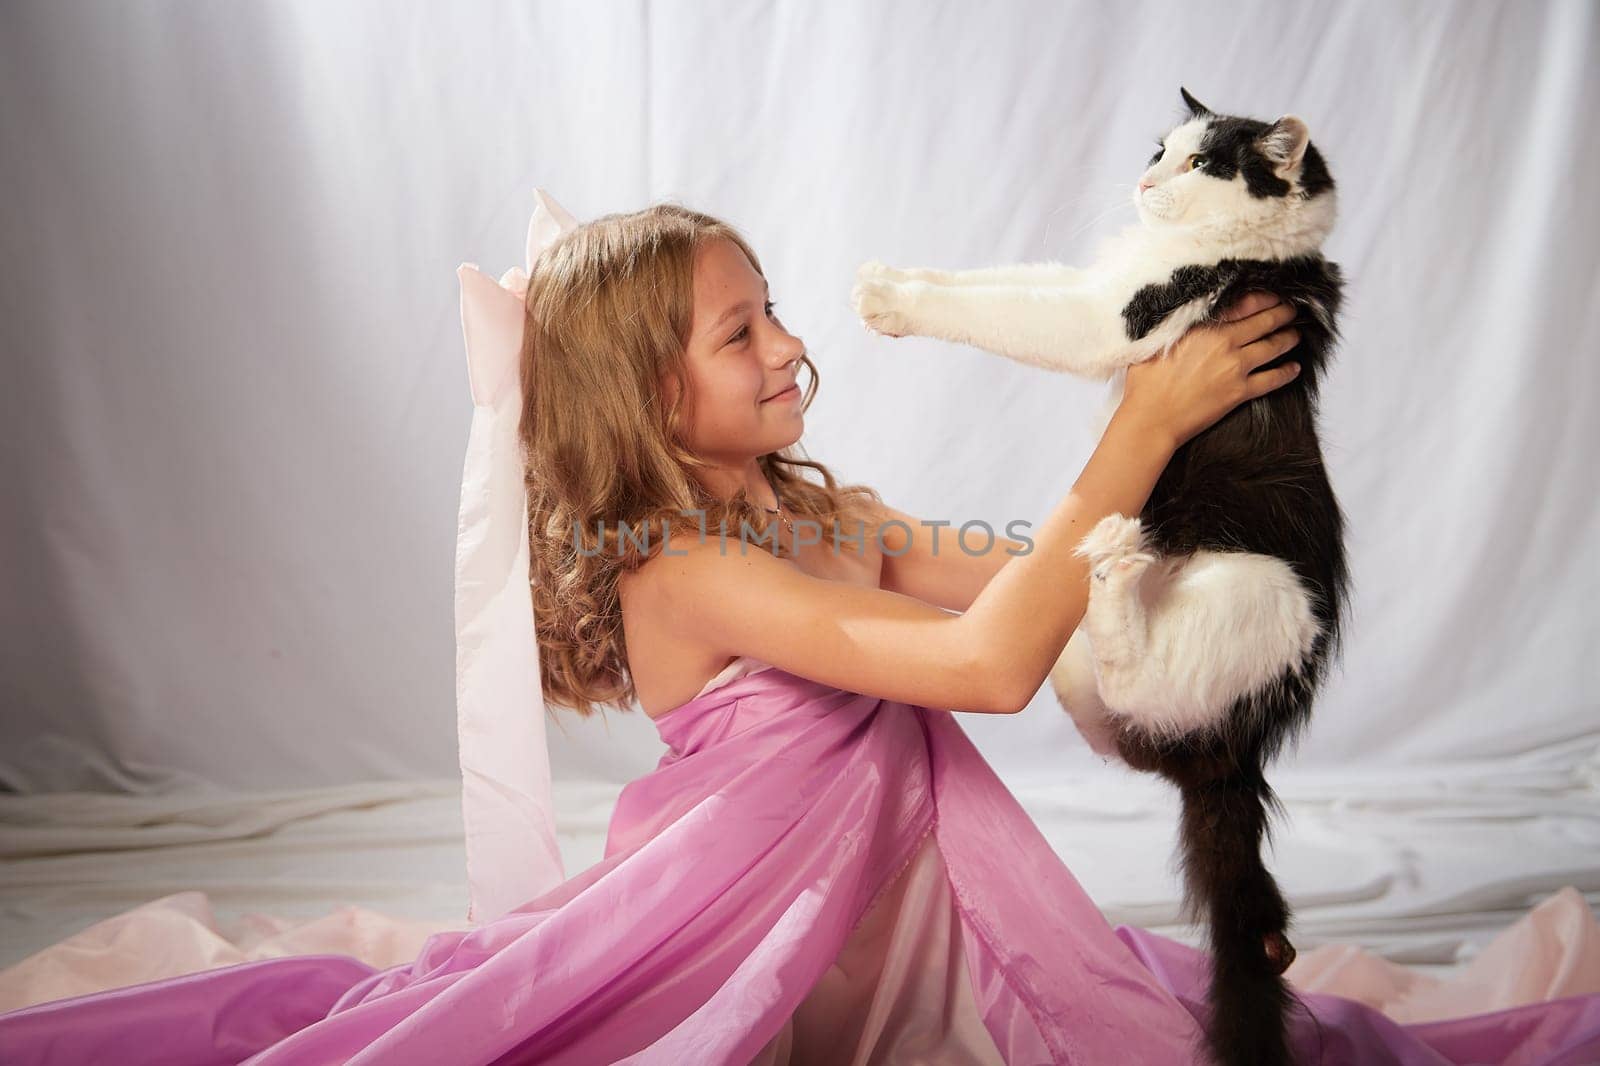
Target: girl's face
(741,363)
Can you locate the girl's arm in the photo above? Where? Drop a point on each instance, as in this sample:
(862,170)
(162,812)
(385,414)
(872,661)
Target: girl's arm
(930,563)
(848,635)
(897,646)
(1030,608)
(742,600)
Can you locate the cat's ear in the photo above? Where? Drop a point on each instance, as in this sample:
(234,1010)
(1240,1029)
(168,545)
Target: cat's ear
(1284,143)
(1196,108)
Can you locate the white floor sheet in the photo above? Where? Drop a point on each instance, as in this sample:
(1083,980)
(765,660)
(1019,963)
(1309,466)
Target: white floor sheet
(1423,868)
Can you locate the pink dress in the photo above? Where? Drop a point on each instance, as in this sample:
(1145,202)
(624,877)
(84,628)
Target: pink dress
(808,875)
(899,991)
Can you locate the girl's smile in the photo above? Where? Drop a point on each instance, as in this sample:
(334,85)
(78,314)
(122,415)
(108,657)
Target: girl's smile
(791,393)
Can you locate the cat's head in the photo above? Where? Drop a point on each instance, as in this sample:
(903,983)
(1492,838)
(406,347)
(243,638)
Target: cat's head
(1228,174)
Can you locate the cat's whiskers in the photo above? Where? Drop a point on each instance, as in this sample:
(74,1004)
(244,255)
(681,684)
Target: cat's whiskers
(1073,202)
(1100,215)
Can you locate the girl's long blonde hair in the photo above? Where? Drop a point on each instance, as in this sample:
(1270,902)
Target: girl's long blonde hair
(609,307)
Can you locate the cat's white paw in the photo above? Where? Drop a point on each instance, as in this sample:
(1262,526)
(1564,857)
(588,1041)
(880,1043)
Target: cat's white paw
(873,270)
(1115,546)
(880,305)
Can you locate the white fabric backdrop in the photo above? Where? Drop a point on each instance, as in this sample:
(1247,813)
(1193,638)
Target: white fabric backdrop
(235,405)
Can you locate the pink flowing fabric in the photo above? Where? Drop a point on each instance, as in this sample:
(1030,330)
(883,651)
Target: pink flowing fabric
(733,877)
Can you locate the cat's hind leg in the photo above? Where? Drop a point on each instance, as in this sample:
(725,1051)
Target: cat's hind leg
(1216,629)
(1077,689)
(1116,620)
(1115,550)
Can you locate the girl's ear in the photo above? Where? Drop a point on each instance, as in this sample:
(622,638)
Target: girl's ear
(670,387)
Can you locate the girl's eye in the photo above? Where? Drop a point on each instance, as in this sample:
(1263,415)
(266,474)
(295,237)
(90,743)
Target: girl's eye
(745,329)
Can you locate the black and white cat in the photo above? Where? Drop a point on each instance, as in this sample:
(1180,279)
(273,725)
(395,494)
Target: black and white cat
(1215,613)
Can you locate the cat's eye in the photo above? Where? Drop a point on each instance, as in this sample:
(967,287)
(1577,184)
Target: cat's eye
(1161,150)
(1195,162)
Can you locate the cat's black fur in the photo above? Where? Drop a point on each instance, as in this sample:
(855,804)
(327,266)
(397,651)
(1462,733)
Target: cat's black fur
(1254,481)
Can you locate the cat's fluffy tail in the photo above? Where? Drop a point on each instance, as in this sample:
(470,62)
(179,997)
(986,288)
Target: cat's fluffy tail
(1224,821)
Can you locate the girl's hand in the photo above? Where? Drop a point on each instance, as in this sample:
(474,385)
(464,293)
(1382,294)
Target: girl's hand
(1208,371)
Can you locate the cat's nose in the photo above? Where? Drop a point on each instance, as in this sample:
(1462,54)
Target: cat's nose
(1145,183)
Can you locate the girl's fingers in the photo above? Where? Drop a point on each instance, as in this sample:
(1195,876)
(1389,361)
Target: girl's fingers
(1265,381)
(1258,325)
(1248,304)
(1269,347)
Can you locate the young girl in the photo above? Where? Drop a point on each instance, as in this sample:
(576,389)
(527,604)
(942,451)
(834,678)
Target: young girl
(822,868)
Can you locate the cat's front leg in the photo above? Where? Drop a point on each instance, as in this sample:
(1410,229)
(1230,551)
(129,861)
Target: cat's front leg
(883,307)
(1048,273)
(1070,329)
